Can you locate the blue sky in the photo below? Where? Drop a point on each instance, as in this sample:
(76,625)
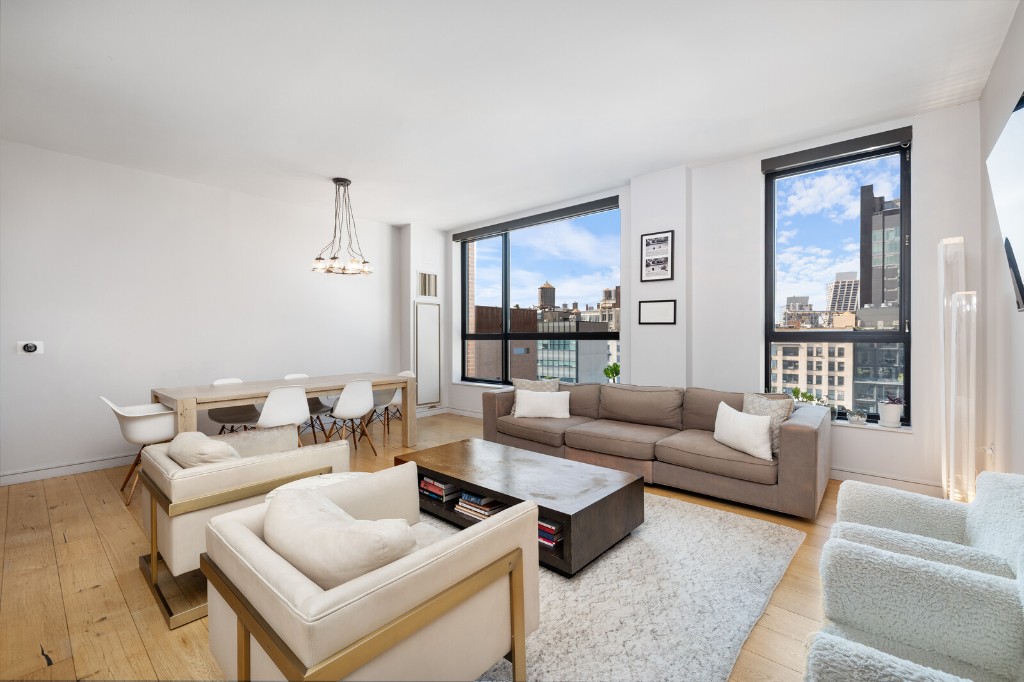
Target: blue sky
(580,257)
(817,224)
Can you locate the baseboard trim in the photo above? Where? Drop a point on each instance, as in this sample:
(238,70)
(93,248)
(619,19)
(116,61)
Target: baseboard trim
(930,488)
(466,413)
(41,473)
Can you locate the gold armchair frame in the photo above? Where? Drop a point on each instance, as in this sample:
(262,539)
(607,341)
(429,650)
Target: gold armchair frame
(175,612)
(358,654)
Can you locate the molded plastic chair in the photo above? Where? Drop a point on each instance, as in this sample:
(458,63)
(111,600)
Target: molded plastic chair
(355,402)
(285,405)
(317,409)
(143,425)
(387,403)
(231,419)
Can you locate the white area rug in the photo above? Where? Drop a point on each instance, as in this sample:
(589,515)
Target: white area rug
(675,600)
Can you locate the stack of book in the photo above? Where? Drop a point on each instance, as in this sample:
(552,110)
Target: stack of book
(438,490)
(477,506)
(549,533)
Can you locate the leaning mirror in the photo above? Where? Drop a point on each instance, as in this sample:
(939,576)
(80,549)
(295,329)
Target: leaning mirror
(1006,175)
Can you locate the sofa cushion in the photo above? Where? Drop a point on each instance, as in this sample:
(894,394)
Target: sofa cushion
(325,543)
(584,399)
(192,448)
(777,410)
(649,405)
(749,433)
(542,404)
(698,449)
(635,441)
(700,407)
(541,430)
(538,385)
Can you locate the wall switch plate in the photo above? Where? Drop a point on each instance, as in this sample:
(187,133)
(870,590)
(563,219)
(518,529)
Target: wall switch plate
(30,347)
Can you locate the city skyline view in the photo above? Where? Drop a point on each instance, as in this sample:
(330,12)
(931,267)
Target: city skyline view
(578,256)
(817,225)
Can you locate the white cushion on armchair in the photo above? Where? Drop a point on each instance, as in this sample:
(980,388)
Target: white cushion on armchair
(267,454)
(316,623)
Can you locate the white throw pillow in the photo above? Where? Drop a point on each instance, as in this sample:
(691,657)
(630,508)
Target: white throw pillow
(536,385)
(744,432)
(191,448)
(325,544)
(542,404)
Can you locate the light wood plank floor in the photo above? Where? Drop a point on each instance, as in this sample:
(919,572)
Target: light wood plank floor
(74,605)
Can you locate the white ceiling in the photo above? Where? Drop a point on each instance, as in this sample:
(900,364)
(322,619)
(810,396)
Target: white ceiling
(452,111)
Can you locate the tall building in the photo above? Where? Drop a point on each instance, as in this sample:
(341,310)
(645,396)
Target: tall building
(800,314)
(880,291)
(545,296)
(842,295)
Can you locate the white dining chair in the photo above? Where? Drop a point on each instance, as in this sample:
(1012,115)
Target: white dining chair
(143,425)
(231,419)
(355,402)
(387,403)
(317,409)
(284,405)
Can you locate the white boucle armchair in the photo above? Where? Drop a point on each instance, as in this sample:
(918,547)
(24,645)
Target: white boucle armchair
(918,588)
(983,536)
(447,611)
(179,502)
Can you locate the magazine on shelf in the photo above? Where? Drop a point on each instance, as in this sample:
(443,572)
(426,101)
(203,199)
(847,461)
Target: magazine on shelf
(476,499)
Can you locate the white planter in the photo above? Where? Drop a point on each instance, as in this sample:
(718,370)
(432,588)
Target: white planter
(889,414)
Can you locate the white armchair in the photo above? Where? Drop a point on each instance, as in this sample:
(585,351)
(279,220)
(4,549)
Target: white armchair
(449,610)
(178,502)
(983,536)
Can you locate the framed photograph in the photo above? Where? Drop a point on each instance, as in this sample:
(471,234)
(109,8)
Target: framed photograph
(658,312)
(657,256)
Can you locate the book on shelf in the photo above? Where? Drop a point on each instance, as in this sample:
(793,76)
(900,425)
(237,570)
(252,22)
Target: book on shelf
(476,499)
(475,511)
(549,526)
(553,537)
(446,486)
(488,508)
(549,543)
(434,492)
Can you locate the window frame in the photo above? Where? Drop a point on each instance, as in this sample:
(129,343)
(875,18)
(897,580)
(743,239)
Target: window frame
(831,156)
(505,336)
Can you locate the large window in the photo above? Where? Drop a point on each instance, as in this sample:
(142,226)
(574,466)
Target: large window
(541,296)
(838,270)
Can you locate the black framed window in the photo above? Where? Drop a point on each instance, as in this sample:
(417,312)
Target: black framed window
(837,276)
(541,296)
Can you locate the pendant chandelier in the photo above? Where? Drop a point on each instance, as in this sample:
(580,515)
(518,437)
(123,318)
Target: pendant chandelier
(330,258)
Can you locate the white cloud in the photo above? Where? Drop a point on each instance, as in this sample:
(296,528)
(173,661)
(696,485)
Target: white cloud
(565,240)
(807,271)
(835,193)
(851,247)
(784,236)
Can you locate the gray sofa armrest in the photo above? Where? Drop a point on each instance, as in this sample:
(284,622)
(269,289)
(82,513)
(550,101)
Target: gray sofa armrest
(907,512)
(832,658)
(805,460)
(496,404)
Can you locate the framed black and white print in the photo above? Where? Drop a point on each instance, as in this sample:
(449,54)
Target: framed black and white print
(658,312)
(657,256)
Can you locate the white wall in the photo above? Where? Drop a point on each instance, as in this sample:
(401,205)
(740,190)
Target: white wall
(1002,388)
(423,250)
(134,280)
(656,354)
(728,280)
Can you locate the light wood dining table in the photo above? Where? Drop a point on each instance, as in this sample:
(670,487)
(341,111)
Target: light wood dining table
(188,400)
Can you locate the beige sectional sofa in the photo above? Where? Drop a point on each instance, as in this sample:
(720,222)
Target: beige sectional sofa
(666,435)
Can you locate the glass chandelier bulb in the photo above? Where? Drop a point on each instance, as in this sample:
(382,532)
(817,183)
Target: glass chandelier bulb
(319,264)
(354,267)
(367,267)
(334,267)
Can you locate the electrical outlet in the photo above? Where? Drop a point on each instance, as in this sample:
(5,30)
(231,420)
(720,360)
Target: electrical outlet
(30,347)
(987,453)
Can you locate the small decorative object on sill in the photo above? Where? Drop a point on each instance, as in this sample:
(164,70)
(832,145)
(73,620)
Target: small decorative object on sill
(857,417)
(890,412)
(344,223)
(612,372)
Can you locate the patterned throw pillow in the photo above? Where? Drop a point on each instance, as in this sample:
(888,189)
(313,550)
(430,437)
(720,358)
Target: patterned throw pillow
(536,385)
(778,409)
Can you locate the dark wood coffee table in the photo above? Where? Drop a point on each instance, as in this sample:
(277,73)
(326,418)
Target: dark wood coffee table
(596,506)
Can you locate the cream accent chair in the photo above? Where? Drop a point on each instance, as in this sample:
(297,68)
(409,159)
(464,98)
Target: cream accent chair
(447,611)
(181,501)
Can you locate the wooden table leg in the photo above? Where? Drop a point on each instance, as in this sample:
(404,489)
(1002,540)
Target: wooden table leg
(409,413)
(187,418)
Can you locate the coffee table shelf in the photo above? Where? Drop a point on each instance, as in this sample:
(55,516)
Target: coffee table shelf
(596,506)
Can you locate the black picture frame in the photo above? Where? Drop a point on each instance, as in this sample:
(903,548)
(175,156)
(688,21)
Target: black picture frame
(657,312)
(657,256)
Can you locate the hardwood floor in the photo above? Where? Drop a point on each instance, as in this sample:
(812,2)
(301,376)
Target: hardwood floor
(74,605)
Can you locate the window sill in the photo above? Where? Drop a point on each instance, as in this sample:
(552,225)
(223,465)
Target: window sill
(874,427)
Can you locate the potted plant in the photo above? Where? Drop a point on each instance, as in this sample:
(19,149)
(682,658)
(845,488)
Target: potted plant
(612,372)
(890,412)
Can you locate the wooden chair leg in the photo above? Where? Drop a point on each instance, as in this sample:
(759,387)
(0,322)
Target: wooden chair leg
(131,469)
(131,491)
(367,434)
